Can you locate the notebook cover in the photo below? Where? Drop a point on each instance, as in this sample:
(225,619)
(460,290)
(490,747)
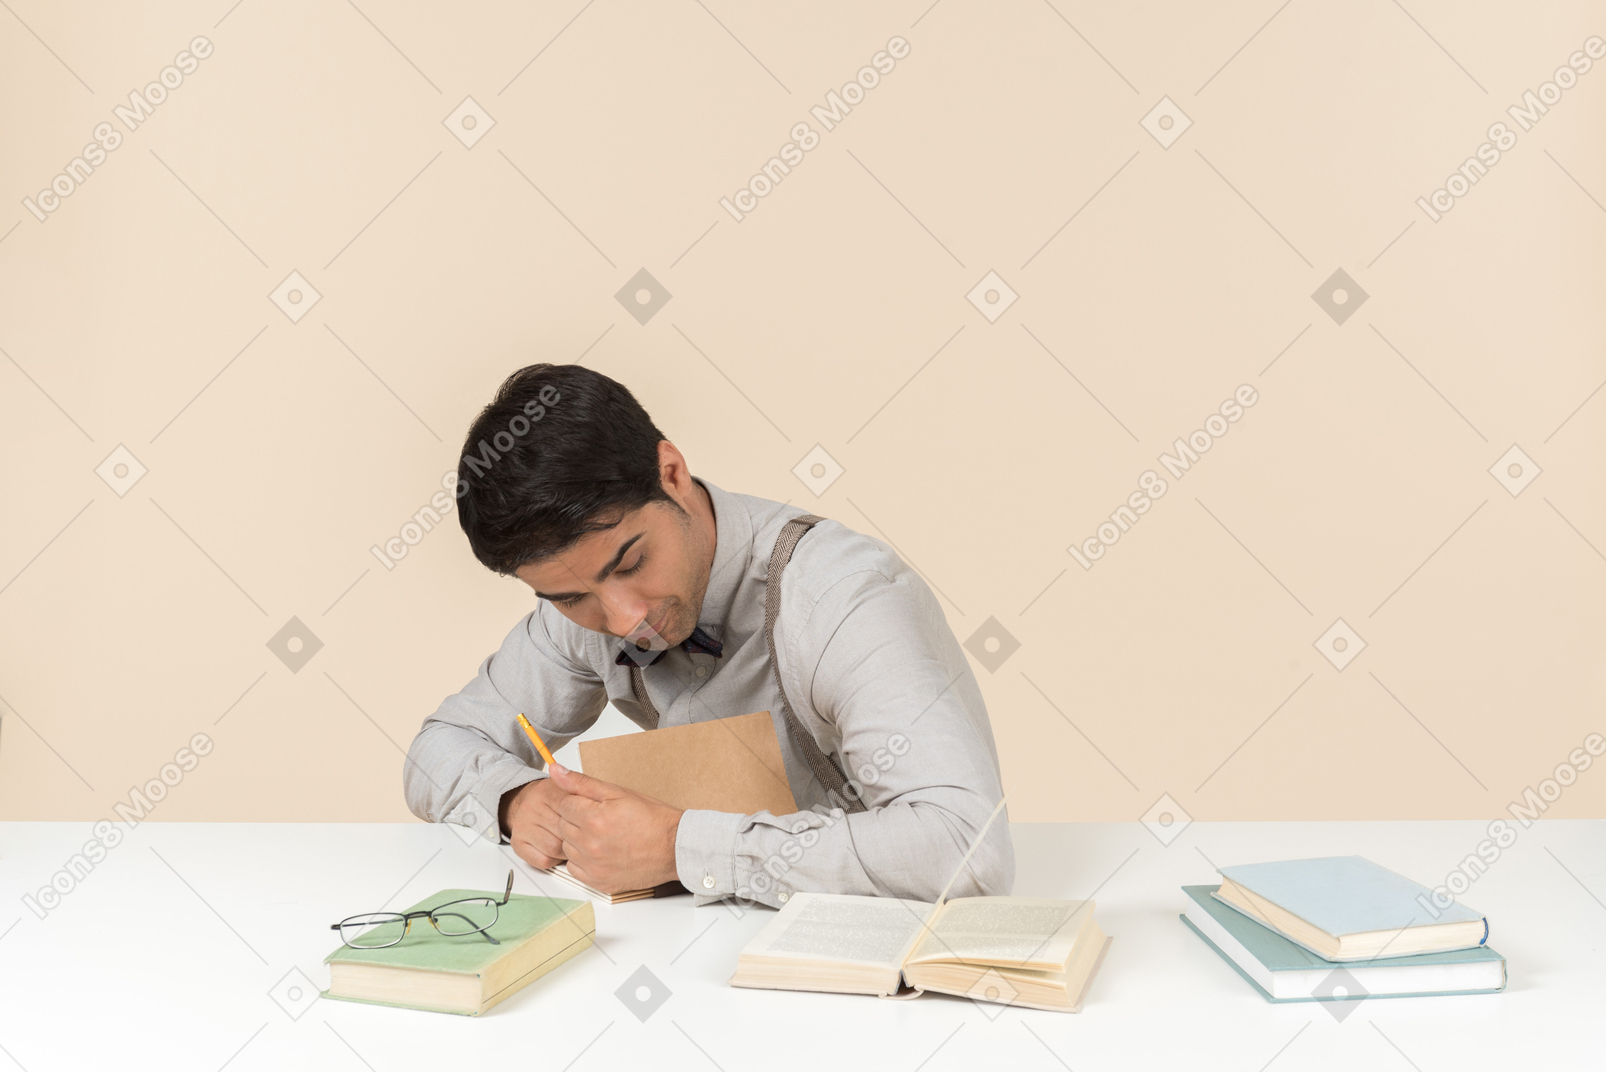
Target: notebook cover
(725,764)
(1344,894)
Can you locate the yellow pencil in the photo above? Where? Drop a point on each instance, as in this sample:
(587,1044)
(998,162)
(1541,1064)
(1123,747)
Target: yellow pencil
(536,740)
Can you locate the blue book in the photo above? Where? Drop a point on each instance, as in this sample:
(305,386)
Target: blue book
(1348,908)
(1284,971)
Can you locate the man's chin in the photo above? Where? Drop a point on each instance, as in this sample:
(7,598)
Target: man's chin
(674,629)
(682,630)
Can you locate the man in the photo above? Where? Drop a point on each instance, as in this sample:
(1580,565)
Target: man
(650,578)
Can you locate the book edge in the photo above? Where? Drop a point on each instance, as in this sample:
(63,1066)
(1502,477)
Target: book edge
(541,970)
(1210,895)
(1505,975)
(399,1005)
(1094,974)
(1233,964)
(1493,954)
(1355,958)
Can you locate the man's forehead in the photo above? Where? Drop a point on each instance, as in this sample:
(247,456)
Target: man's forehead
(587,554)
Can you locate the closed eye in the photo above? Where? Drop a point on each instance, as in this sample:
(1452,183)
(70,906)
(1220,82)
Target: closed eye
(574,599)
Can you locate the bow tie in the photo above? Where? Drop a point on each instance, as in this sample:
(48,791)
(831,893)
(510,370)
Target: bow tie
(698,642)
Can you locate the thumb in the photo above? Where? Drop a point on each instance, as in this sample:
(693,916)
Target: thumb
(582,785)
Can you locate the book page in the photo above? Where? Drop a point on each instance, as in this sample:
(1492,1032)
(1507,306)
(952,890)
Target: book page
(1005,931)
(842,929)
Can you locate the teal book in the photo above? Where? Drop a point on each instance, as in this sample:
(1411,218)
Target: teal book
(1282,970)
(1348,908)
(465,974)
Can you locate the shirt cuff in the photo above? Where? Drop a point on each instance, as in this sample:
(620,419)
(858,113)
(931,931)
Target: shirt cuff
(479,810)
(705,851)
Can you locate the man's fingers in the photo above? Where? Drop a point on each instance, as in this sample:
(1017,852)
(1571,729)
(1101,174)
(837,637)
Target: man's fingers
(580,873)
(576,808)
(545,840)
(568,830)
(584,785)
(535,857)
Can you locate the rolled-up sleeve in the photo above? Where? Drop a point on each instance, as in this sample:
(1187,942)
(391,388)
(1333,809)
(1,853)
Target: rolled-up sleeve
(472,750)
(876,675)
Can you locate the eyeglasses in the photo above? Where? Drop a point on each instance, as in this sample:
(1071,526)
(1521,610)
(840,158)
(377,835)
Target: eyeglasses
(454,919)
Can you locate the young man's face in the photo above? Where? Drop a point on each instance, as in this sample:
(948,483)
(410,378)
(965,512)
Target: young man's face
(645,576)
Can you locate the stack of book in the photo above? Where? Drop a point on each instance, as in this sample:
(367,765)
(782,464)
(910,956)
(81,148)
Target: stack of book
(1342,928)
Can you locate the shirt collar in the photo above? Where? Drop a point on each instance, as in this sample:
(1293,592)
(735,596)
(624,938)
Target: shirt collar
(733,540)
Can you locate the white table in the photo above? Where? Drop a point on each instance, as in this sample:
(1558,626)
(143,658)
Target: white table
(170,952)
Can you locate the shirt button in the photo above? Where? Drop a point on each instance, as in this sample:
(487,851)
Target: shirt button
(702,671)
(708,882)
(782,896)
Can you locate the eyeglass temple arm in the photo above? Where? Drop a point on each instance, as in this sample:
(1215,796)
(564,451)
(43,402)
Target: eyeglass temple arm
(506,894)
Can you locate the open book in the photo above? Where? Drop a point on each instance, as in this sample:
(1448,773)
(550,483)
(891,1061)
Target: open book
(1027,951)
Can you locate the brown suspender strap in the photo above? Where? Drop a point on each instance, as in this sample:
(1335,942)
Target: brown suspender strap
(823,766)
(648,719)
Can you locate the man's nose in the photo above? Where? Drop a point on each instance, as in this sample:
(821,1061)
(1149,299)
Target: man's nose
(623,613)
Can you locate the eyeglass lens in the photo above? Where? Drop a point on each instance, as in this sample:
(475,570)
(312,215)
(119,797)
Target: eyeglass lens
(372,931)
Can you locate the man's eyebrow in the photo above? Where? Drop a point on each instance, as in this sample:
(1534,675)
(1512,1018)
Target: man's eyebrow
(602,574)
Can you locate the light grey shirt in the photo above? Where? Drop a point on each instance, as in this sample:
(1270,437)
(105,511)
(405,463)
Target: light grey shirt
(871,669)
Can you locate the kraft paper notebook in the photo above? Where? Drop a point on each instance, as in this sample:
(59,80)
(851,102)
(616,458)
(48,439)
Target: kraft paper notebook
(464,974)
(727,764)
(1282,970)
(724,764)
(1348,908)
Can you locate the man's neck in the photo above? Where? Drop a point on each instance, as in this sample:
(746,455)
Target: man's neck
(706,521)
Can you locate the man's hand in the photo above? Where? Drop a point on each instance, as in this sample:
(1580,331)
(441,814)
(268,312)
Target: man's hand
(530,816)
(614,839)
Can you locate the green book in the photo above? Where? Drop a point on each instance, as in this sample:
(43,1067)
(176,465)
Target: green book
(1285,971)
(466,974)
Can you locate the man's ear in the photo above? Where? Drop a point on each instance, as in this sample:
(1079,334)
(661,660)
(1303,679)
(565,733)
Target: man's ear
(675,474)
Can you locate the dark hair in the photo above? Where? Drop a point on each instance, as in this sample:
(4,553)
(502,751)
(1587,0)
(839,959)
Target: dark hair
(560,452)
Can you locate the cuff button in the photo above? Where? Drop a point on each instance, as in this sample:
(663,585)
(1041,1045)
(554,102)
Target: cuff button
(708,882)
(782,897)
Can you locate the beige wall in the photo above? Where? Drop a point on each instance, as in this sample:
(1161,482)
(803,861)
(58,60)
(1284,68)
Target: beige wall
(1152,283)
